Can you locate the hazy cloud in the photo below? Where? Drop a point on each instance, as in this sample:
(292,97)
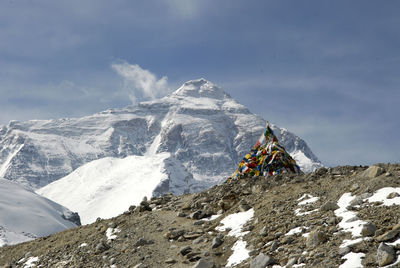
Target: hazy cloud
(184,8)
(140,83)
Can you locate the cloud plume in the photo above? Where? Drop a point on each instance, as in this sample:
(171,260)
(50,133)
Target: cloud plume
(140,83)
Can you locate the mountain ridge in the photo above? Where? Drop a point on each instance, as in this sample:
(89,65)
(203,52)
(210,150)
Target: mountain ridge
(199,124)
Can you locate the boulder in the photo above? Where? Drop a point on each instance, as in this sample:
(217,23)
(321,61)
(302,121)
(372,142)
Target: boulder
(261,261)
(373,172)
(388,236)
(315,238)
(368,229)
(385,255)
(330,205)
(205,263)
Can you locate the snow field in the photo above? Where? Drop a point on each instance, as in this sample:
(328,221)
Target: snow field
(25,215)
(107,187)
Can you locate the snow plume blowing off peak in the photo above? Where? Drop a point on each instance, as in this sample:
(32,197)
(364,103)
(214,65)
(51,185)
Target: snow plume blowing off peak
(140,83)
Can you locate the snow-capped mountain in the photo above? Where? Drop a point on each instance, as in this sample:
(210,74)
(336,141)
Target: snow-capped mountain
(204,130)
(25,215)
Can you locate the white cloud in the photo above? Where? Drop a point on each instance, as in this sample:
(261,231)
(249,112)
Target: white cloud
(184,8)
(141,83)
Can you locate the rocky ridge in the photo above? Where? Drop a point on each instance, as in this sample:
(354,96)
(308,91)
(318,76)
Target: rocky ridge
(345,216)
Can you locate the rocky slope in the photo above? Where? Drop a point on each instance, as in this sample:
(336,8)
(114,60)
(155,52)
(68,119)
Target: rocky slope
(204,130)
(338,217)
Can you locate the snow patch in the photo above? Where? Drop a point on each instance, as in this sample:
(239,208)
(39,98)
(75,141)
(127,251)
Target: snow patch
(294,231)
(212,217)
(240,253)
(353,260)
(349,222)
(350,242)
(305,199)
(311,199)
(235,222)
(382,194)
(111,233)
(83,245)
(31,262)
(298,212)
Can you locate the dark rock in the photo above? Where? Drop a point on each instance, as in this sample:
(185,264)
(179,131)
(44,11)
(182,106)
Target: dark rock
(330,205)
(368,229)
(264,231)
(181,214)
(73,217)
(170,261)
(193,256)
(142,242)
(261,261)
(321,171)
(199,222)
(332,220)
(174,234)
(274,245)
(287,240)
(248,228)
(205,263)
(244,207)
(143,208)
(185,250)
(216,242)
(197,215)
(393,195)
(101,247)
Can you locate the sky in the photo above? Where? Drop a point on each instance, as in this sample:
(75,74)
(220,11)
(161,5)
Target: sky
(328,71)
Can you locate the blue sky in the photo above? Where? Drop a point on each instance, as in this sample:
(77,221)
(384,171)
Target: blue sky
(325,70)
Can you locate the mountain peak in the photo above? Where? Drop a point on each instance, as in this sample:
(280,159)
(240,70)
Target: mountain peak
(200,88)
